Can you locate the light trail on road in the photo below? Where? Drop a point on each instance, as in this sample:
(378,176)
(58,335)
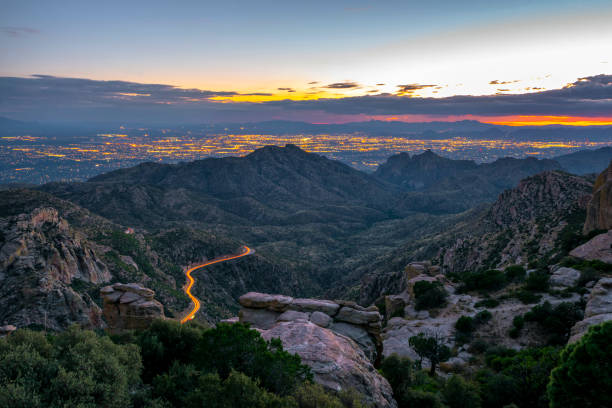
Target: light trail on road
(196,302)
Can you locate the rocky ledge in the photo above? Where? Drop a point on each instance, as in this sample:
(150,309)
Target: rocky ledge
(130,306)
(598,309)
(338,340)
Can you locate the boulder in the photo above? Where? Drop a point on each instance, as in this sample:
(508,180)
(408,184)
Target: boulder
(7,329)
(314,305)
(350,315)
(320,319)
(130,307)
(598,309)
(598,248)
(564,278)
(259,318)
(293,315)
(335,360)
(359,335)
(255,300)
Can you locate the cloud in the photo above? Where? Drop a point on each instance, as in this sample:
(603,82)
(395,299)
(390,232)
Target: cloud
(49,98)
(411,88)
(497,82)
(18,31)
(590,96)
(313,82)
(286,89)
(380,84)
(343,85)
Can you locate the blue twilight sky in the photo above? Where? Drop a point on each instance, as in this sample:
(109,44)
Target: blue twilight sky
(262,51)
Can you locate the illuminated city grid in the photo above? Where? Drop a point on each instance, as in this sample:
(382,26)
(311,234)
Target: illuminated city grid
(37,160)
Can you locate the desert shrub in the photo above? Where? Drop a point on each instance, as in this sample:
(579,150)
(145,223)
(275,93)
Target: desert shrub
(483,317)
(583,376)
(526,297)
(587,275)
(465,324)
(459,393)
(517,377)
(73,368)
(483,281)
(537,281)
(515,273)
(429,295)
(489,303)
(556,321)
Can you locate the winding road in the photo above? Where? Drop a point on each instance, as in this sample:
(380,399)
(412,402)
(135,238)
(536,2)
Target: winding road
(196,302)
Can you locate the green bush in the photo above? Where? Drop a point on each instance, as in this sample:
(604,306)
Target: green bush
(583,376)
(459,393)
(483,281)
(517,377)
(489,303)
(429,295)
(465,324)
(73,368)
(431,348)
(537,281)
(483,317)
(526,297)
(515,273)
(555,321)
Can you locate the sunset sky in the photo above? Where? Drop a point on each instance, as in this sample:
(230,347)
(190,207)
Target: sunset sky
(510,62)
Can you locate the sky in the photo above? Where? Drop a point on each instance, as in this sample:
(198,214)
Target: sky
(511,62)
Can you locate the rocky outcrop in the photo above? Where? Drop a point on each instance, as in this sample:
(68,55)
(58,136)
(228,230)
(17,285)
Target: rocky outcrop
(6,330)
(361,324)
(335,360)
(599,210)
(338,340)
(130,307)
(522,226)
(597,248)
(43,265)
(598,309)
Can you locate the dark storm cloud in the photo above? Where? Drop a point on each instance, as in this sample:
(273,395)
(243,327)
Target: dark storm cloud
(18,31)
(342,85)
(591,96)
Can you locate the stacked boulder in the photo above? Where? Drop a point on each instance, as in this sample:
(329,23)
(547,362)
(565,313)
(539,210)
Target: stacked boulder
(130,306)
(362,325)
(338,340)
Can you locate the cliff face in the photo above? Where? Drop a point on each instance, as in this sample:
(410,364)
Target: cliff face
(599,210)
(41,260)
(523,226)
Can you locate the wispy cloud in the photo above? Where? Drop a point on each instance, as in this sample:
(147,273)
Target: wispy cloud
(343,85)
(18,31)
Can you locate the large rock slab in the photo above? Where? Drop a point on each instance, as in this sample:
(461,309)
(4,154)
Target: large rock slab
(315,305)
(255,300)
(336,361)
(598,248)
(598,308)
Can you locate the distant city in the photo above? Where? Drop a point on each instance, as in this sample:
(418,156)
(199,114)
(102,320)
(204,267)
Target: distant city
(36,158)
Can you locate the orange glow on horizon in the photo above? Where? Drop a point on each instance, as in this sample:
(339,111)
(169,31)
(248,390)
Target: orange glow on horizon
(535,120)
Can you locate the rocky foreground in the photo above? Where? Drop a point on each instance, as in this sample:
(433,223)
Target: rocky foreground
(338,340)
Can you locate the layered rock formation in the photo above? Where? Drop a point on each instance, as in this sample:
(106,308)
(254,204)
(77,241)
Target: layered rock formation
(130,307)
(598,309)
(41,260)
(599,211)
(338,340)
